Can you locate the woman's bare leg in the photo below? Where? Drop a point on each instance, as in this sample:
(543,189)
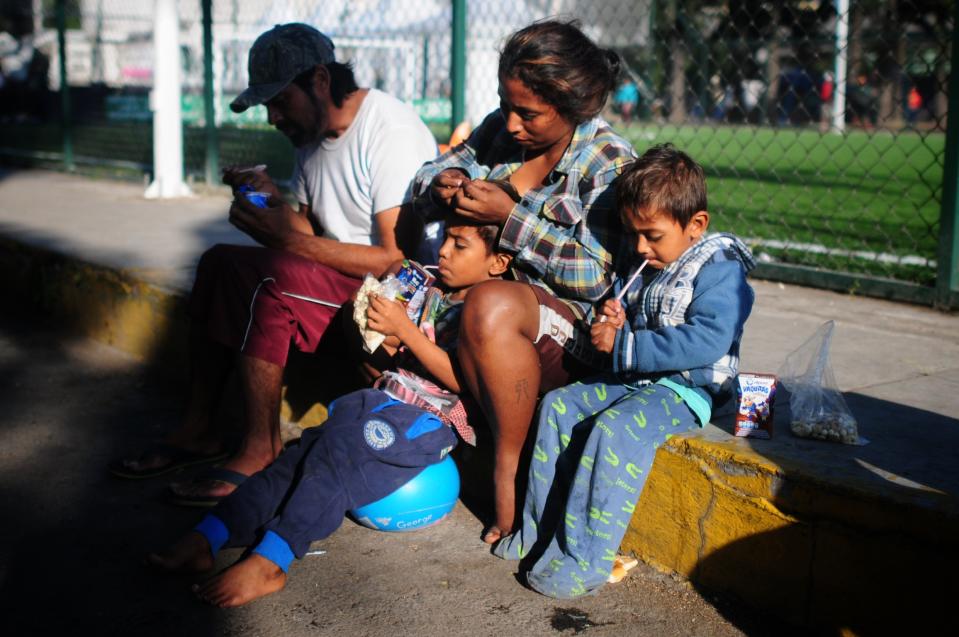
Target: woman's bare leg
(501,368)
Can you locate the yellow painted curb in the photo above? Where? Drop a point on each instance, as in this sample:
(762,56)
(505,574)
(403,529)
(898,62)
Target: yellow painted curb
(114,307)
(814,553)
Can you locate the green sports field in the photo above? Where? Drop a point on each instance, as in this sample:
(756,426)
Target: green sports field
(860,202)
(863,202)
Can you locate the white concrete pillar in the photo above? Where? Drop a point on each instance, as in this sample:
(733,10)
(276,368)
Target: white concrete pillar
(842,53)
(165,104)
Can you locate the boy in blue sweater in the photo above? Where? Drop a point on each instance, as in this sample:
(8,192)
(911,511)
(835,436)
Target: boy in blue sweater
(673,347)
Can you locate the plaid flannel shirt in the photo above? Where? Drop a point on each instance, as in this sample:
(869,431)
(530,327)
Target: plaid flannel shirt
(563,235)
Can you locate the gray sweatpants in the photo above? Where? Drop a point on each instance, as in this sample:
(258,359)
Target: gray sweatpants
(595,445)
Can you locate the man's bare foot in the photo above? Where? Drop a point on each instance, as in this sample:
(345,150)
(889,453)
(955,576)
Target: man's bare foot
(245,581)
(163,458)
(190,554)
(208,488)
(248,463)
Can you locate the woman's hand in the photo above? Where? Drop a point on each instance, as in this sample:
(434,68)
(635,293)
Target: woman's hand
(388,317)
(446,185)
(484,201)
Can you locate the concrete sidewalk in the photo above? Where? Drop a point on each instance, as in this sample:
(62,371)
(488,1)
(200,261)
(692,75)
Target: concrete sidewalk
(824,535)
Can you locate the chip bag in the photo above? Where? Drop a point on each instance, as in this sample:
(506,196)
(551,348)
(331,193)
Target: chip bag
(818,408)
(371,338)
(407,286)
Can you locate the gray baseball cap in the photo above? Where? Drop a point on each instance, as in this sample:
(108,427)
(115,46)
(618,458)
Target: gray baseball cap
(278,56)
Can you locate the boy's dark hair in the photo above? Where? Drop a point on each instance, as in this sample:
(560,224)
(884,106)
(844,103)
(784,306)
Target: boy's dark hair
(664,179)
(561,65)
(342,81)
(488,232)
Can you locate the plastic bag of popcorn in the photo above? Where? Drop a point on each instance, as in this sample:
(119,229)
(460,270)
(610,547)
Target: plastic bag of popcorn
(818,408)
(371,286)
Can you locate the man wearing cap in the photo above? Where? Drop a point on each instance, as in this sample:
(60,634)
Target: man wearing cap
(356,152)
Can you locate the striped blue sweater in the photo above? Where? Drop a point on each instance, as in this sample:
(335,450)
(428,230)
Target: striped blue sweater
(686,321)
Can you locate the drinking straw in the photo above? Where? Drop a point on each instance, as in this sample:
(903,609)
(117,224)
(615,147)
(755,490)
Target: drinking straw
(622,293)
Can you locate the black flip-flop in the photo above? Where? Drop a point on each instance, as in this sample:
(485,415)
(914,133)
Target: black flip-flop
(179,496)
(179,459)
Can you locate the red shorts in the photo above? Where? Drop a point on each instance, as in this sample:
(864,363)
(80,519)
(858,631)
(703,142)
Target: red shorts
(557,366)
(258,301)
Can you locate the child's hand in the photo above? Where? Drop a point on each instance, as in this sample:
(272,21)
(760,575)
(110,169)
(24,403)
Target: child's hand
(603,336)
(611,313)
(388,317)
(609,319)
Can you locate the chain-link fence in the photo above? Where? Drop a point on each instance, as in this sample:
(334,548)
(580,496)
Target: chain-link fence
(821,124)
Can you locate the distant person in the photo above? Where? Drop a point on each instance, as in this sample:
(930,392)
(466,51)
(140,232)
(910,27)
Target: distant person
(719,95)
(863,102)
(672,350)
(913,105)
(24,74)
(375,441)
(798,96)
(752,92)
(827,90)
(549,143)
(357,150)
(626,99)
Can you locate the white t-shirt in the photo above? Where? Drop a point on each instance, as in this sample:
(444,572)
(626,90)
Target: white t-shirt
(348,180)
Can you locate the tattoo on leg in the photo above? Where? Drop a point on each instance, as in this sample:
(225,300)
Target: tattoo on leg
(522,391)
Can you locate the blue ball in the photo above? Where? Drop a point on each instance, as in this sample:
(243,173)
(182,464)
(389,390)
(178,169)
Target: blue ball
(421,502)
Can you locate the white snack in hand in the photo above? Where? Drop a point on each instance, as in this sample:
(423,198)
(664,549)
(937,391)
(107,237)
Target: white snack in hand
(371,338)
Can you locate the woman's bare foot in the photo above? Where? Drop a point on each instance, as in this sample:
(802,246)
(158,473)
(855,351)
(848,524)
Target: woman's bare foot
(493,534)
(249,579)
(190,554)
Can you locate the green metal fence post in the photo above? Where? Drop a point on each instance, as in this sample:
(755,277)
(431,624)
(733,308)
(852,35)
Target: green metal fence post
(212,167)
(947,274)
(458,70)
(66,118)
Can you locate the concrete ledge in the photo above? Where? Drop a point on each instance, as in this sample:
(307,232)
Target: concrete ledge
(802,530)
(111,306)
(118,307)
(840,556)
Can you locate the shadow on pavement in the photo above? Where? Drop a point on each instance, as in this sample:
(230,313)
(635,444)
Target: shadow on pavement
(874,532)
(73,537)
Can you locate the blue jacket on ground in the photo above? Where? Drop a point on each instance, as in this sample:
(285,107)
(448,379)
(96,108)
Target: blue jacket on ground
(370,445)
